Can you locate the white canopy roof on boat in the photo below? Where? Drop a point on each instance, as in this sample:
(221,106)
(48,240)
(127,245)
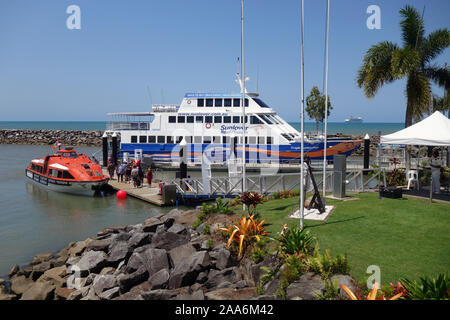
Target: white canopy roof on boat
(432,131)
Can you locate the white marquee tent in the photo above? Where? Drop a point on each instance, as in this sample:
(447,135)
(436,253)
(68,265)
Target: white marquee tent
(432,131)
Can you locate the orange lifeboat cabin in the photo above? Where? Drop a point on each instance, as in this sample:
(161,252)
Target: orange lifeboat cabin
(67,171)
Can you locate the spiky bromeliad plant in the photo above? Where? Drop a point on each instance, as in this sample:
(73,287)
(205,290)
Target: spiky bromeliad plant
(428,288)
(371,296)
(386,62)
(245,231)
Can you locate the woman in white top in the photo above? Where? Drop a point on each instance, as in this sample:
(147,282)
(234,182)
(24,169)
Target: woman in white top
(435,163)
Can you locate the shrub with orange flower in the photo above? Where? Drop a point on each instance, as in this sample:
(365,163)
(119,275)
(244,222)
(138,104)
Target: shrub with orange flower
(244,232)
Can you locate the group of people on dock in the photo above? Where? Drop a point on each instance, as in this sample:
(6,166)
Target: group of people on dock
(130,173)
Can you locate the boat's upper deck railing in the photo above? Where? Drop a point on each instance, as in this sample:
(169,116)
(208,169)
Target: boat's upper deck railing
(129,121)
(165,108)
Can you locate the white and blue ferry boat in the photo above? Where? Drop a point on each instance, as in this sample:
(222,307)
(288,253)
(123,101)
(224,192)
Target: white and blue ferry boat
(211,124)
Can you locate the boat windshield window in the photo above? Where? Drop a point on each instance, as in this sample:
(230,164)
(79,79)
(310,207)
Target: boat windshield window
(287,136)
(72,155)
(261,103)
(265,118)
(255,120)
(275,120)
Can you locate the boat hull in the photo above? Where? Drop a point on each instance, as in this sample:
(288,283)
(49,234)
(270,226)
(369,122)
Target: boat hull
(218,153)
(84,188)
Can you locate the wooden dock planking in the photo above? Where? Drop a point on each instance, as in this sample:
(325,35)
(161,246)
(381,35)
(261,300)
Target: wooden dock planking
(146,193)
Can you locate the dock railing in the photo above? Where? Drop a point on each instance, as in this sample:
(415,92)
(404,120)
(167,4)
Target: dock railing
(356,181)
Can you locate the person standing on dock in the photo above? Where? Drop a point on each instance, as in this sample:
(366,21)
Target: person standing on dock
(128,173)
(111,169)
(141,174)
(435,164)
(135,176)
(149,177)
(121,172)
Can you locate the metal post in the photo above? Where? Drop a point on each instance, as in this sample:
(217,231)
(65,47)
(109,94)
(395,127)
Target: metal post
(431,187)
(366,153)
(114,148)
(325,162)
(379,149)
(105,149)
(302,169)
(243,98)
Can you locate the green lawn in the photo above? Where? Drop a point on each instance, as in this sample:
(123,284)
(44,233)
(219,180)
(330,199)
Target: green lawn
(404,237)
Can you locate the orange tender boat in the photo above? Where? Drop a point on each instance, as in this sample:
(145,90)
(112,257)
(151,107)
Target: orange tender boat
(67,171)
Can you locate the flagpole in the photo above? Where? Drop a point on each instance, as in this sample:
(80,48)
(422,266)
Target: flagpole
(302,169)
(325,162)
(243,99)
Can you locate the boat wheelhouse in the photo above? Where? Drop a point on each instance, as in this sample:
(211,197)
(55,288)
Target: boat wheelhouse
(213,124)
(67,171)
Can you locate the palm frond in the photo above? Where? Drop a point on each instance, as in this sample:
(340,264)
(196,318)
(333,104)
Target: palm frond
(412,27)
(404,61)
(439,75)
(434,44)
(418,92)
(376,69)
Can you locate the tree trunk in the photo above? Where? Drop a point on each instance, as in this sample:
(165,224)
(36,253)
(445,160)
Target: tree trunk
(409,114)
(317,127)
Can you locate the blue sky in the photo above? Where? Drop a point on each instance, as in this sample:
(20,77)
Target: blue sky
(48,72)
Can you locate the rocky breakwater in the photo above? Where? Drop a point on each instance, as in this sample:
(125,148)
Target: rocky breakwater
(161,259)
(374,141)
(49,137)
(157,260)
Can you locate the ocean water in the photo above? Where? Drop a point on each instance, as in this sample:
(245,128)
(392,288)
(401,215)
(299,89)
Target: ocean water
(372,128)
(34,220)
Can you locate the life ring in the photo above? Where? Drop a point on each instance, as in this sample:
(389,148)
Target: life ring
(189,102)
(208,125)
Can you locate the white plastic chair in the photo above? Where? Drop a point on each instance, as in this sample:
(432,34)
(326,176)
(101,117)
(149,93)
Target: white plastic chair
(413,176)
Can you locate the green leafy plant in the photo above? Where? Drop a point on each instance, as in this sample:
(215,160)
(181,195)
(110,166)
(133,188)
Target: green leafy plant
(209,244)
(331,291)
(259,251)
(437,288)
(276,195)
(223,207)
(206,229)
(325,265)
(269,275)
(296,241)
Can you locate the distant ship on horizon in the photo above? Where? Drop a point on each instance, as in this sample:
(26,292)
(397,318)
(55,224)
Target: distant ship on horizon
(354,120)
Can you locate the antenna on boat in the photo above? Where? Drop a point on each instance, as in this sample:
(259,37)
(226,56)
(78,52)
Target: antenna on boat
(257,78)
(325,162)
(149,96)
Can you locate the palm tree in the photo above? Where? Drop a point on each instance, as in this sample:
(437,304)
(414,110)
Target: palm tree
(442,104)
(386,62)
